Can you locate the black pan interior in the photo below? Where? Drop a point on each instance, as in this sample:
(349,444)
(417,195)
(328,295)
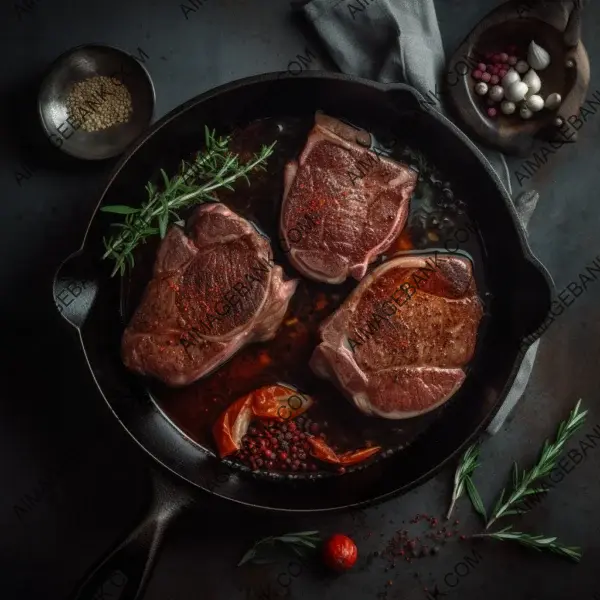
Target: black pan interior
(519,289)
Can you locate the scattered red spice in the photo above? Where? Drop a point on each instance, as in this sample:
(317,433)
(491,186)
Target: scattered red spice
(426,543)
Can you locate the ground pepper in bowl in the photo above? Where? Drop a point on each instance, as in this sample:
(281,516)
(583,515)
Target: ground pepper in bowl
(98,103)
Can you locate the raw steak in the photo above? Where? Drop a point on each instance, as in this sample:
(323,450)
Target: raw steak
(358,199)
(211,294)
(398,345)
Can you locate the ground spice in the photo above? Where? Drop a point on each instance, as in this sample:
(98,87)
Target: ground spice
(403,546)
(98,103)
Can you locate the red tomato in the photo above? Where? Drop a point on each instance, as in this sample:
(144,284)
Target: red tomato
(339,553)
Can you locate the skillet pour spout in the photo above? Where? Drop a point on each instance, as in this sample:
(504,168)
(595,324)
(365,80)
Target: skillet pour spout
(517,297)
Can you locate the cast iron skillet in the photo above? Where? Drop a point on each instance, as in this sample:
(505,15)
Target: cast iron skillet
(89,299)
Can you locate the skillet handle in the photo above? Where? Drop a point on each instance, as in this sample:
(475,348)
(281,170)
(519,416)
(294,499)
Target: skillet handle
(124,573)
(536,293)
(74,289)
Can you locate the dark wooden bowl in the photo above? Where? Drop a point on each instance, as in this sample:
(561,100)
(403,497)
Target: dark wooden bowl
(568,74)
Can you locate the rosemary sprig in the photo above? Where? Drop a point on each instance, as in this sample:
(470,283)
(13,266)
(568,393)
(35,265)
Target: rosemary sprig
(522,484)
(297,542)
(216,167)
(468,464)
(537,542)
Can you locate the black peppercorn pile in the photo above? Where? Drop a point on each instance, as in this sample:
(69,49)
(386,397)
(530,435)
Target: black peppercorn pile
(280,446)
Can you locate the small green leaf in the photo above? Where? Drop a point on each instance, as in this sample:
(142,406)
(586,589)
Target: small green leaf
(119,209)
(163,223)
(247,557)
(475,497)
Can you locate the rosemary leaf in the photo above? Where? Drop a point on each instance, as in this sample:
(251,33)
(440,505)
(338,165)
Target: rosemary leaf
(523,481)
(468,464)
(296,542)
(119,209)
(537,542)
(247,557)
(475,497)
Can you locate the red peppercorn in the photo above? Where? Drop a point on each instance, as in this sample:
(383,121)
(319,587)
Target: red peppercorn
(494,79)
(481,67)
(486,77)
(502,73)
(292,426)
(477,74)
(496,58)
(503,57)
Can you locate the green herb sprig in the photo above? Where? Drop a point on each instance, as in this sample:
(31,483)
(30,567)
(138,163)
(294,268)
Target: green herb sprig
(214,168)
(462,477)
(299,543)
(537,542)
(523,481)
(522,486)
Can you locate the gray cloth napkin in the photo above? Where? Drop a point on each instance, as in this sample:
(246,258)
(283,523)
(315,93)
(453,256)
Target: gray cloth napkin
(399,41)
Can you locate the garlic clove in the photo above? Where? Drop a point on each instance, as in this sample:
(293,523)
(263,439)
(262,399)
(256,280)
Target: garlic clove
(525,113)
(534,103)
(533,82)
(537,57)
(521,67)
(516,91)
(511,77)
(481,88)
(553,101)
(508,108)
(496,93)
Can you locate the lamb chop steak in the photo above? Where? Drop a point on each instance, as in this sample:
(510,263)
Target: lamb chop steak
(357,198)
(398,345)
(211,294)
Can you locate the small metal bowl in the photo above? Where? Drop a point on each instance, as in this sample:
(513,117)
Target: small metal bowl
(81,63)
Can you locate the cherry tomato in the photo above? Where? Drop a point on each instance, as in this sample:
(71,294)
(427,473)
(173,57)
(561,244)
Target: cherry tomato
(339,553)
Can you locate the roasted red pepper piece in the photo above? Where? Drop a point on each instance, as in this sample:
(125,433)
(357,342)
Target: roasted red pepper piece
(322,451)
(277,402)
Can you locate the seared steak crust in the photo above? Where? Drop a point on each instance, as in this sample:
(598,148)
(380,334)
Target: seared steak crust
(211,294)
(398,346)
(358,199)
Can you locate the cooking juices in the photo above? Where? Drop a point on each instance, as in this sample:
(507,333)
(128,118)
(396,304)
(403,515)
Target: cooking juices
(437,219)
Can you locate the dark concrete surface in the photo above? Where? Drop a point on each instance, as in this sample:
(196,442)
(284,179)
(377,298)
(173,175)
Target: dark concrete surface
(71,481)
